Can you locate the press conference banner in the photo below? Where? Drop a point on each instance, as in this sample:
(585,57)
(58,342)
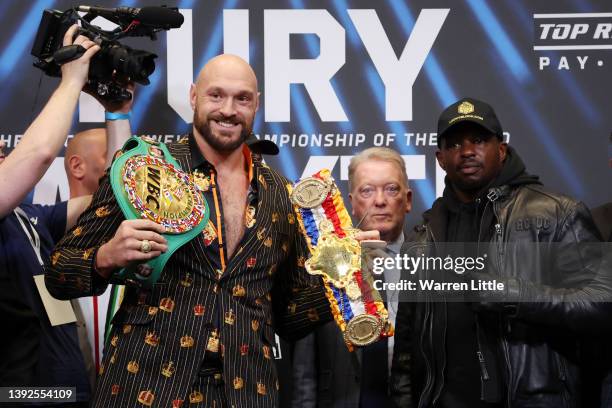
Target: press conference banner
(339,76)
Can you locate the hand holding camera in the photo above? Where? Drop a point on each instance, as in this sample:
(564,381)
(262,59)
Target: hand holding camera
(114,63)
(76,71)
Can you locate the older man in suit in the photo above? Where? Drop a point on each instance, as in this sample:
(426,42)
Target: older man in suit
(326,374)
(203,333)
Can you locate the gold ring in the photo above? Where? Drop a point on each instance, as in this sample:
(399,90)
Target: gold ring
(145,246)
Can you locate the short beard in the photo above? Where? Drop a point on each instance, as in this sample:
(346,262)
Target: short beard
(215,142)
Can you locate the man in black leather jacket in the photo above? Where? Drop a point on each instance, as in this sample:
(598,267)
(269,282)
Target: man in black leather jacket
(515,347)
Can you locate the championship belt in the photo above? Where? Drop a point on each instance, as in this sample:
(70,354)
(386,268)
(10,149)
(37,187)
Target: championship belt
(149,184)
(336,256)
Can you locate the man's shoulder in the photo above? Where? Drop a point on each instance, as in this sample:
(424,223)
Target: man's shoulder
(31,207)
(273,175)
(539,205)
(43,210)
(540,194)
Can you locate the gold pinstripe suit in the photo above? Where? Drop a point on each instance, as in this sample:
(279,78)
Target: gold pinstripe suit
(159,336)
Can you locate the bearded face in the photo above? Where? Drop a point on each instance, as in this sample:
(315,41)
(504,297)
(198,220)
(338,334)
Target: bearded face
(222,133)
(224,100)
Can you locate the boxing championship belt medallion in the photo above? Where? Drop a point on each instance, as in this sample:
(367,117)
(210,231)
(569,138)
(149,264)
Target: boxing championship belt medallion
(149,183)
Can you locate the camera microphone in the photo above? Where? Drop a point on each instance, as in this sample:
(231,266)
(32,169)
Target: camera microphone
(162,17)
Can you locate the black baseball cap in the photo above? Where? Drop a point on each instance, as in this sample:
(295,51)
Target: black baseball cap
(261,146)
(469,110)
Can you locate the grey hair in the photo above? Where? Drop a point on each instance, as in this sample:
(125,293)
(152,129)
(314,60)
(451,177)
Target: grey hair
(384,154)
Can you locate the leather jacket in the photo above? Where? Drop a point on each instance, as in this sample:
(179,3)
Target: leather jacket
(533,346)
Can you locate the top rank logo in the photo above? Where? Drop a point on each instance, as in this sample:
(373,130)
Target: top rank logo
(572,32)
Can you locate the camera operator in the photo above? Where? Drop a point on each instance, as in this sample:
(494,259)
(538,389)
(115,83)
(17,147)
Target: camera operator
(33,351)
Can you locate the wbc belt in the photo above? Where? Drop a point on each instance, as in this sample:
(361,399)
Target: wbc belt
(336,256)
(148,183)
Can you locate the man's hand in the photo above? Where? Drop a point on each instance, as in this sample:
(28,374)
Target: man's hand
(123,106)
(367,235)
(126,247)
(491,299)
(74,73)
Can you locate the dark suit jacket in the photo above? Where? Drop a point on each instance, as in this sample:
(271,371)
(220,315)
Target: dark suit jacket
(270,270)
(325,373)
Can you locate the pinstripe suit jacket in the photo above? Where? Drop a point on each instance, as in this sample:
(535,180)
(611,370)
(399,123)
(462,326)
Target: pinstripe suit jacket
(278,294)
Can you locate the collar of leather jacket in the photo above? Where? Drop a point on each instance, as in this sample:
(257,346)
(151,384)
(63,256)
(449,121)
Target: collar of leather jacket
(512,174)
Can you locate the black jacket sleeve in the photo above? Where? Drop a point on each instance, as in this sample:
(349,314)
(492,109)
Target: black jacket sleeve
(582,301)
(70,272)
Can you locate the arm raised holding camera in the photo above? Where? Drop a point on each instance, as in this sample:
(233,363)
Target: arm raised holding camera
(45,136)
(118,131)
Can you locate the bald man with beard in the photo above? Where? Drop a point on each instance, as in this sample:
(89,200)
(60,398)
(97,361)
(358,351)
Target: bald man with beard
(204,333)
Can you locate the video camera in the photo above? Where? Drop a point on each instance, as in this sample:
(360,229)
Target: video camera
(114,63)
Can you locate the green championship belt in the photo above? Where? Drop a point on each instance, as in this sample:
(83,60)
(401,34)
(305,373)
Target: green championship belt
(149,184)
